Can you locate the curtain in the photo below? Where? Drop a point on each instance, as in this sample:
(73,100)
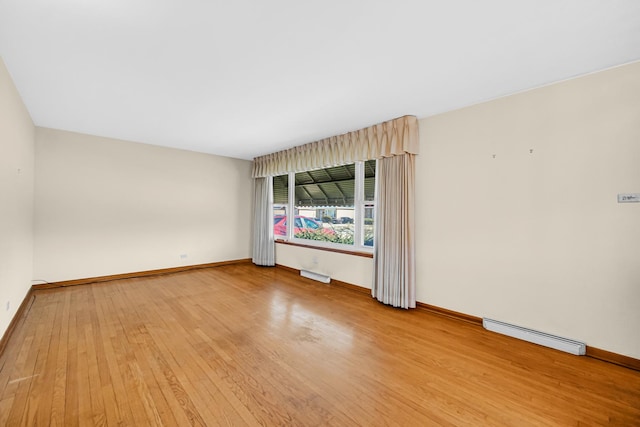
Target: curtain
(391,138)
(394,257)
(263,242)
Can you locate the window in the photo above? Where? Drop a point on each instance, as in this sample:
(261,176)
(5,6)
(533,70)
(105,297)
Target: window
(280,204)
(368,215)
(331,207)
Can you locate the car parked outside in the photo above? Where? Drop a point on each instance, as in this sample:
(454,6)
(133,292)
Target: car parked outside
(301,224)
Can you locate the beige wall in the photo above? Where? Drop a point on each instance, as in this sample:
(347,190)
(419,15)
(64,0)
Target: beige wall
(16,199)
(106,207)
(537,239)
(352,269)
(532,238)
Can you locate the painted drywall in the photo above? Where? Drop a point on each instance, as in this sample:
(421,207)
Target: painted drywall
(352,269)
(17,136)
(517,208)
(107,206)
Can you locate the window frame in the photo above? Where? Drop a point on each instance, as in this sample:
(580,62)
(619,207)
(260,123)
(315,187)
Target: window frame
(359,206)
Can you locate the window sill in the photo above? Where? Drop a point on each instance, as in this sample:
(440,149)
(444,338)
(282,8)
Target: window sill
(321,248)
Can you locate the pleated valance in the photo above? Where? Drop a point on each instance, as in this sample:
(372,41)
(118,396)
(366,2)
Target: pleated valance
(386,139)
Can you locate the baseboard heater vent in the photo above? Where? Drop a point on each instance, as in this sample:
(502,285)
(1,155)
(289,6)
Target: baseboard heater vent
(547,340)
(315,276)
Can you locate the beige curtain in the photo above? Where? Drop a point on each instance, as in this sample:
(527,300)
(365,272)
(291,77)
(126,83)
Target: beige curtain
(394,257)
(391,138)
(263,241)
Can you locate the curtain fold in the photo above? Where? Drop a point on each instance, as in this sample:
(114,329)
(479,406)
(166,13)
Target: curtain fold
(394,257)
(263,241)
(391,138)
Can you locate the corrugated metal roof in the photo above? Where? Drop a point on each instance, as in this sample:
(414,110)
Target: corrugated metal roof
(325,187)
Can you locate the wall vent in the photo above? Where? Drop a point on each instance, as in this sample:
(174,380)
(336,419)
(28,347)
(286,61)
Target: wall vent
(315,276)
(536,337)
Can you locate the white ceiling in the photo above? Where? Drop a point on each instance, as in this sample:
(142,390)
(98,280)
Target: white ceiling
(244,78)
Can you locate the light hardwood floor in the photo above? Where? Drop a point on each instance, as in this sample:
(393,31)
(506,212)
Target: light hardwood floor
(242,345)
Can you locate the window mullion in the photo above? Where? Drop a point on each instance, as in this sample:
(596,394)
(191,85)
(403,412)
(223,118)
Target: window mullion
(358,213)
(291,214)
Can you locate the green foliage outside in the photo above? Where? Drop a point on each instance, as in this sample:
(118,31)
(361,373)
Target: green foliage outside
(335,235)
(325,235)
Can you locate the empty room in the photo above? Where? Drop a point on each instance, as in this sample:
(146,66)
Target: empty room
(342,213)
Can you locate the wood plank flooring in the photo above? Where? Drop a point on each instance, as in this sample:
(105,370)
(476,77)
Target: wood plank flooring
(242,345)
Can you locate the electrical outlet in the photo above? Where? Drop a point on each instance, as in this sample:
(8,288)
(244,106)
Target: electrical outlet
(314,260)
(8,305)
(183,256)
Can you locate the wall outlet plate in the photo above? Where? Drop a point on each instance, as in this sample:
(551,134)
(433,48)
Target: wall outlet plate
(629,198)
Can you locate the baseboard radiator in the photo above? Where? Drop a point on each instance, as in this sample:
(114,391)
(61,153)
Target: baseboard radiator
(536,337)
(315,276)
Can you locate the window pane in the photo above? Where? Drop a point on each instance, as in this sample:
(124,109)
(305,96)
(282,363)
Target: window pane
(369,180)
(330,187)
(344,226)
(279,221)
(368,230)
(325,199)
(281,190)
(368,226)
(280,201)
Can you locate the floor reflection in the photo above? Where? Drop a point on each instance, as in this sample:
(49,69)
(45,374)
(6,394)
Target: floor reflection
(291,319)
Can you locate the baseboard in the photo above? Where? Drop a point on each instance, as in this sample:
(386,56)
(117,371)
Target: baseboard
(291,269)
(20,313)
(617,359)
(159,272)
(449,313)
(351,287)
